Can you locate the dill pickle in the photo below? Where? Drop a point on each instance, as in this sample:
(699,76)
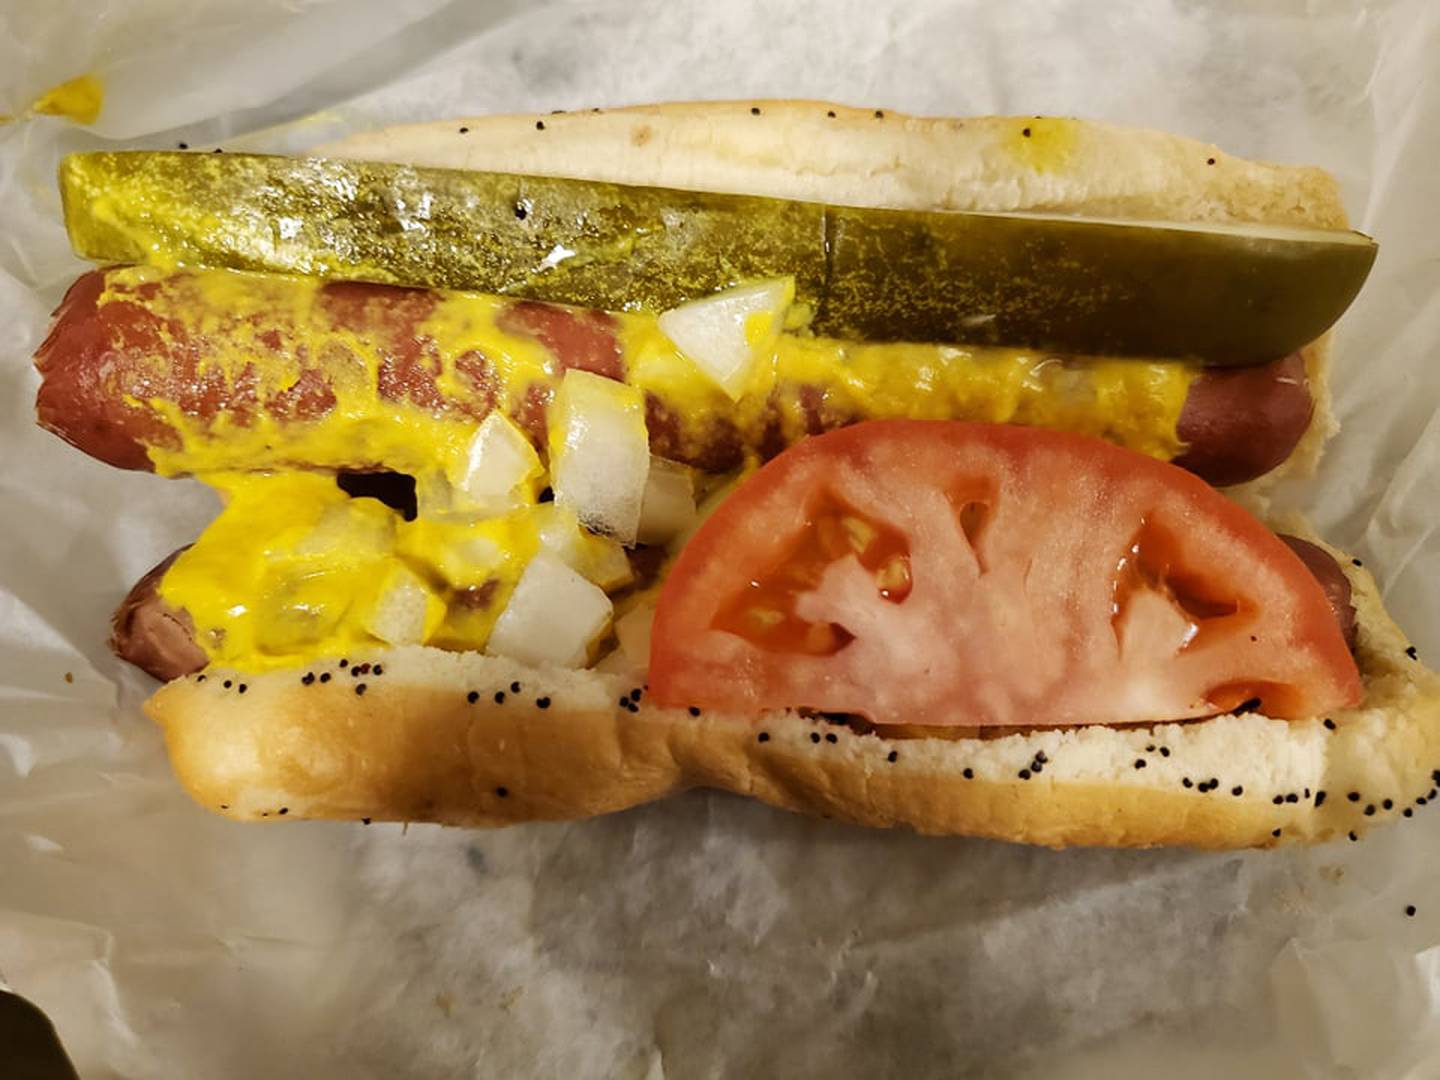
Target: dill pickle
(1227,295)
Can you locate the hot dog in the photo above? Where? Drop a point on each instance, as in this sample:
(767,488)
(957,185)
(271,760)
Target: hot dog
(461,574)
(147,632)
(172,339)
(1332,579)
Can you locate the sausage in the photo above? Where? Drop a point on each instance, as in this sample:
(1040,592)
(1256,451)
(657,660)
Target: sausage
(160,640)
(125,338)
(1240,423)
(152,635)
(275,347)
(1332,579)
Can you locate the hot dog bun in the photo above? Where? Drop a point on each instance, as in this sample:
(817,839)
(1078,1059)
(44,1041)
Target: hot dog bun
(817,151)
(445,737)
(413,746)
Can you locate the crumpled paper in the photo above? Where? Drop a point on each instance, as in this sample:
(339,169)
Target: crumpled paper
(707,936)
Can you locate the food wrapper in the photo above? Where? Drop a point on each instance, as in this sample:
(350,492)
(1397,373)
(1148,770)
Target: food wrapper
(708,935)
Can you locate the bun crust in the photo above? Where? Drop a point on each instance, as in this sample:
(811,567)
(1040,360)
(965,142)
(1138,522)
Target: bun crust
(413,746)
(817,151)
(446,737)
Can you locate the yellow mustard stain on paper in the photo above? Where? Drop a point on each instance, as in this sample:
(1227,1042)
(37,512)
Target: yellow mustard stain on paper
(79,99)
(1043,143)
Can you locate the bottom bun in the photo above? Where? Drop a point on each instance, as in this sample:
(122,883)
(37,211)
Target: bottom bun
(418,734)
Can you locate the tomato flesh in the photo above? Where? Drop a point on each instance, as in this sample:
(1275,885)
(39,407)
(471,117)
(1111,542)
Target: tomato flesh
(949,573)
(764,612)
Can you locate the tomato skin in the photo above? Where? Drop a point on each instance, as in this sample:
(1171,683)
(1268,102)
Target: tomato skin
(1057,579)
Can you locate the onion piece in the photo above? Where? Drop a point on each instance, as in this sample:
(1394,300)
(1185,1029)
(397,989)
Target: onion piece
(499,459)
(553,617)
(632,631)
(437,499)
(668,508)
(599,452)
(354,529)
(470,560)
(605,562)
(406,610)
(708,505)
(599,559)
(498,474)
(725,334)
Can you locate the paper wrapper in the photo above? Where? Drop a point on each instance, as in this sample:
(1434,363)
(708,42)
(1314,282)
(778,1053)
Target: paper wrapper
(707,936)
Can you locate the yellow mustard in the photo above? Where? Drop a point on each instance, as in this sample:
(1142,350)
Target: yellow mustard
(294,568)
(79,99)
(1043,143)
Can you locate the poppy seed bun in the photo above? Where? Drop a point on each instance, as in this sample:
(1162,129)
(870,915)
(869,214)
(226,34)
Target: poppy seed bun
(874,157)
(447,737)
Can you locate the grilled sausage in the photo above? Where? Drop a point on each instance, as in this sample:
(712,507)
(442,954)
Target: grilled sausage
(1240,423)
(133,352)
(1332,579)
(149,633)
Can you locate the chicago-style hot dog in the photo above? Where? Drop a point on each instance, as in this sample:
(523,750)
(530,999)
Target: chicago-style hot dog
(461,574)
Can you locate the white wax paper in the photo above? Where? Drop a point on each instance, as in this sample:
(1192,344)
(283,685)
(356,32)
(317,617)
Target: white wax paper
(708,936)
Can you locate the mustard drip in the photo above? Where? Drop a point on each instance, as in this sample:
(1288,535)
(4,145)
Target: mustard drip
(294,568)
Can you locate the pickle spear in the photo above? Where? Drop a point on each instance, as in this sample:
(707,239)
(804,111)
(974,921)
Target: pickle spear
(1227,295)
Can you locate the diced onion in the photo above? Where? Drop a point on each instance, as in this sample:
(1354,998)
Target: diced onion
(632,631)
(497,474)
(605,562)
(599,453)
(727,333)
(354,529)
(500,459)
(472,560)
(406,611)
(553,616)
(437,499)
(707,506)
(598,559)
(668,508)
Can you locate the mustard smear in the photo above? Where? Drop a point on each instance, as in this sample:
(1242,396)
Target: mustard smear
(294,568)
(1043,143)
(79,99)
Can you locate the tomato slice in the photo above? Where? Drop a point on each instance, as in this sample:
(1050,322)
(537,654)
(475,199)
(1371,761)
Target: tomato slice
(949,573)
